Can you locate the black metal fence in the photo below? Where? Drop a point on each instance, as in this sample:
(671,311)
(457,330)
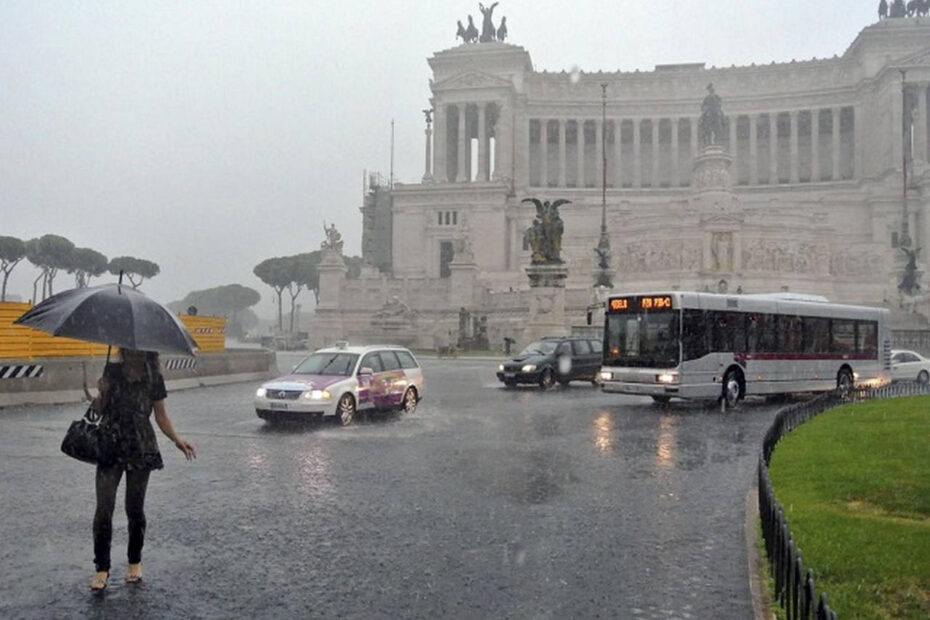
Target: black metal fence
(794,586)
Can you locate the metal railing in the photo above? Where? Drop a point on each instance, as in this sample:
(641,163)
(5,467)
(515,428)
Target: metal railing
(794,586)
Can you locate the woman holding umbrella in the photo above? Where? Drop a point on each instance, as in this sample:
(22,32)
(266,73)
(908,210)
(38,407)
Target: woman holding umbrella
(129,391)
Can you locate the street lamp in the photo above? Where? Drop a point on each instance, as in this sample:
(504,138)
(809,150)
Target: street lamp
(603,244)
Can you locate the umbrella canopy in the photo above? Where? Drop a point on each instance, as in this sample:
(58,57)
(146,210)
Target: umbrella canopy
(111,314)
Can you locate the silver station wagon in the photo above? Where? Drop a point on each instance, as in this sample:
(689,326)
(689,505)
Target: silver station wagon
(341,380)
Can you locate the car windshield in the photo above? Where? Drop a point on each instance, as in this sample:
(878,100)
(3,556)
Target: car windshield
(337,364)
(540,347)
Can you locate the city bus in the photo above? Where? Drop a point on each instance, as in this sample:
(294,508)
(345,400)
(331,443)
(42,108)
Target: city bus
(721,347)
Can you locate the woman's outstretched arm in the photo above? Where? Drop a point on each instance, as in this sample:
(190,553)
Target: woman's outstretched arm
(164,423)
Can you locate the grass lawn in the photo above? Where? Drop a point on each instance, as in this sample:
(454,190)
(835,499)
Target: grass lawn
(855,486)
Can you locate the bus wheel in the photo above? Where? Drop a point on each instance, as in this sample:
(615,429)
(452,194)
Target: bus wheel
(844,383)
(731,389)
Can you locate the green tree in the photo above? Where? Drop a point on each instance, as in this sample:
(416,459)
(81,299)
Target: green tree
(275,273)
(49,253)
(230,300)
(12,251)
(86,264)
(302,272)
(135,269)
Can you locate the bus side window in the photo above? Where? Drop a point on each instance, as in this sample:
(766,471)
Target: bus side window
(843,334)
(867,337)
(694,331)
(768,338)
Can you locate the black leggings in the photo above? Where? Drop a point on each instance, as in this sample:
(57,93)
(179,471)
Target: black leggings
(107,482)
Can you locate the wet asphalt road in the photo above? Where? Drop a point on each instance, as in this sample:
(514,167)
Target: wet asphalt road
(485,503)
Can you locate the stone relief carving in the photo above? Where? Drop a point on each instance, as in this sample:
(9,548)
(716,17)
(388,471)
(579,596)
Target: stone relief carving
(786,256)
(394,308)
(668,255)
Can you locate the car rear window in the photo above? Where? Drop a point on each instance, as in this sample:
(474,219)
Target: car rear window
(406,359)
(597,346)
(389,360)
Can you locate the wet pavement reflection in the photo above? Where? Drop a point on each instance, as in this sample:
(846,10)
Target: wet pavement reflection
(486,502)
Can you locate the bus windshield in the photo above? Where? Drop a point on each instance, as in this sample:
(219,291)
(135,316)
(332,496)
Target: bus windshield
(645,340)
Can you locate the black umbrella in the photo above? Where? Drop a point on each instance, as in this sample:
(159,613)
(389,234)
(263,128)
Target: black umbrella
(111,314)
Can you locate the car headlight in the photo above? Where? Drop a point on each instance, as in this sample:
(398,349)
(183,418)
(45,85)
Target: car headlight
(529,368)
(606,375)
(667,377)
(260,392)
(316,395)
(500,368)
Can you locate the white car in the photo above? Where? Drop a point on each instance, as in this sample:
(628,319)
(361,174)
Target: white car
(338,381)
(909,366)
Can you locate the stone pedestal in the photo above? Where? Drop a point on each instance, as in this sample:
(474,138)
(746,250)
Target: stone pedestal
(547,302)
(463,275)
(327,326)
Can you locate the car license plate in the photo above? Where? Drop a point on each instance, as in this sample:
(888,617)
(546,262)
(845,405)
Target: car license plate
(274,405)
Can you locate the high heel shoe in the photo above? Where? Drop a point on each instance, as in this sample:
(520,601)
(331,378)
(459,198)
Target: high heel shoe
(134,573)
(100,581)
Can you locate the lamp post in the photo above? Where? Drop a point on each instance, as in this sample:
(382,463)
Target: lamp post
(603,244)
(905,240)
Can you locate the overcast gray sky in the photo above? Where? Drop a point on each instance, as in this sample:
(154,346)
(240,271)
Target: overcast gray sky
(207,136)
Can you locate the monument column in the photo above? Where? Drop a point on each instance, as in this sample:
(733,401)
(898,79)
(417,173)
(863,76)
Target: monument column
(836,144)
(795,172)
(440,127)
(460,163)
(637,156)
(734,137)
(544,152)
(773,148)
(695,147)
(482,142)
(676,175)
(815,145)
(562,123)
(598,152)
(753,149)
(427,173)
(618,153)
(920,146)
(504,142)
(579,144)
(655,153)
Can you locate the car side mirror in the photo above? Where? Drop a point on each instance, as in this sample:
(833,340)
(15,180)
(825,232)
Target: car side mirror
(365,370)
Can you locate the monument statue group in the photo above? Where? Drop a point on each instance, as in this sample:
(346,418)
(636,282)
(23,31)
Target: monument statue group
(897,8)
(544,236)
(469,34)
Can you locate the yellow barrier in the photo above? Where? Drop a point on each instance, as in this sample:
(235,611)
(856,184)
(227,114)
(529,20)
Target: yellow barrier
(18,342)
(208,331)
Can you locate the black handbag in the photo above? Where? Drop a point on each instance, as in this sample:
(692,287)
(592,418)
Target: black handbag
(88,440)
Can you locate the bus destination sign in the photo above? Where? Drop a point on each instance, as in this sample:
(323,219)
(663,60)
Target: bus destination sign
(638,304)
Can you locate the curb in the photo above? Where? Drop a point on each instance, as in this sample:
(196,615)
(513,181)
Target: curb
(761,598)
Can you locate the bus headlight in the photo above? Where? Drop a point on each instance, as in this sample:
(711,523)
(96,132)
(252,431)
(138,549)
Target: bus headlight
(605,375)
(529,368)
(667,377)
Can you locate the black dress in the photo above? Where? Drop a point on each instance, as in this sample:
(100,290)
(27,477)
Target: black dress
(127,413)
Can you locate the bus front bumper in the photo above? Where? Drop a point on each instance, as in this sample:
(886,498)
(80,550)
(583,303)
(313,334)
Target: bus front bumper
(646,389)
